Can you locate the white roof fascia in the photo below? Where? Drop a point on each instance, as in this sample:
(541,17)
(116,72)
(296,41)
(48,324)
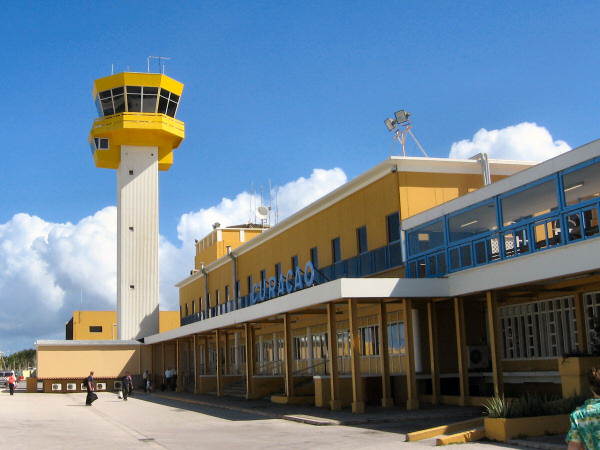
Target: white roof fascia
(314,296)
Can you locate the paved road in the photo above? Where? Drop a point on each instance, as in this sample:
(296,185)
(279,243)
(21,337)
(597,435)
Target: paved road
(57,421)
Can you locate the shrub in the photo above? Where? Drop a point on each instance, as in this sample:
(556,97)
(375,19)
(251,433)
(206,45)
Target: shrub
(531,404)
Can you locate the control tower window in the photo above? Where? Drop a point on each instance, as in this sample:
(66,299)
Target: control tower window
(134,98)
(168,103)
(110,102)
(144,99)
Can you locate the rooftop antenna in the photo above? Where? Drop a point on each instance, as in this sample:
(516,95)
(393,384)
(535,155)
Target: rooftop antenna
(276,207)
(161,67)
(270,202)
(400,134)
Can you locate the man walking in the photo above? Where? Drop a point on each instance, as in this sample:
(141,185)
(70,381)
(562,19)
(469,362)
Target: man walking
(12,381)
(168,378)
(127,385)
(91,395)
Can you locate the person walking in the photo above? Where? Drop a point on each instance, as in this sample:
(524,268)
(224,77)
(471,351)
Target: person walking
(12,381)
(126,386)
(91,396)
(148,383)
(145,379)
(585,420)
(168,378)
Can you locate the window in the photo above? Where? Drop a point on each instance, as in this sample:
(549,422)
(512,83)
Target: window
(294,262)
(193,307)
(540,329)
(361,239)
(186,310)
(143,99)
(530,202)
(582,184)
(336,250)
(263,276)
(314,257)
(474,221)
(396,342)
(227,297)
(393,227)
(95,329)
(426,238)
(369,340)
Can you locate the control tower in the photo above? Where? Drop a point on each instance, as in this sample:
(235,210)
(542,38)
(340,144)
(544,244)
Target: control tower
(135,134)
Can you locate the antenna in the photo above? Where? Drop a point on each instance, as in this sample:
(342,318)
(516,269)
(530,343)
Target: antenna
(394,125)
(276,207)
(270,202)
(161,67)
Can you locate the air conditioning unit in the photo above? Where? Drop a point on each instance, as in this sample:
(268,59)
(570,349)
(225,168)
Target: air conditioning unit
(71,386)
(84,386)
(118,384)
(56,387)
(100,386)
(479,357)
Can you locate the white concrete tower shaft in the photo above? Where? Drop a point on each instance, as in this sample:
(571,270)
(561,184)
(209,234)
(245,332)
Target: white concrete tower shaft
(137,242)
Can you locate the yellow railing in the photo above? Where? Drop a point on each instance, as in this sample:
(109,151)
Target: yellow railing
(123,119)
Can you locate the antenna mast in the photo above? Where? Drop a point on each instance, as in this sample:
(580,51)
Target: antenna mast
(161,67)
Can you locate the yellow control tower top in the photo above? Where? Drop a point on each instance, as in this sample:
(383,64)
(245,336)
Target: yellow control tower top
(136,109)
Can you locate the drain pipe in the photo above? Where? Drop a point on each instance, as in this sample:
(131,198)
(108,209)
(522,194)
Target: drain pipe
(485,167)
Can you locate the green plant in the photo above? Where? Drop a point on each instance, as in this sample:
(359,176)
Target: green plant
(531,404)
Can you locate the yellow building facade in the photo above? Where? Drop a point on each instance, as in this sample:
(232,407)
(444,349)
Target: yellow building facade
(102,325)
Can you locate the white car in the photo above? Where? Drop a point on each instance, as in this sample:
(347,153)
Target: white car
(4,374)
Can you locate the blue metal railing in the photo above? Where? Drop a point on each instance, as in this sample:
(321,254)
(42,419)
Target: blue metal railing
(368,263)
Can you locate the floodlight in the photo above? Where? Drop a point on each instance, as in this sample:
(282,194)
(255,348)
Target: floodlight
(402,116)
(390,124)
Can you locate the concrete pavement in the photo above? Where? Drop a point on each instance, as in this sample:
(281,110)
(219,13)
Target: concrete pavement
(183,420)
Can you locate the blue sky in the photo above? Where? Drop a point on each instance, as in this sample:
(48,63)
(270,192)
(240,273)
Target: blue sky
(273,91)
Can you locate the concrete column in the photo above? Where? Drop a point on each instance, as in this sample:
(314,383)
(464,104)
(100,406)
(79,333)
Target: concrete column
(461,346)
(332,345)
(261,354)
(179,387)
(249,360)
(219,371)
(412,401)
(289,355)
(226,339)
(236,352)
(205,355)
(358,404)
(196,364)
(275,354)
(495,343)
(309,344)
(162,373)
(384,352)
(433,352)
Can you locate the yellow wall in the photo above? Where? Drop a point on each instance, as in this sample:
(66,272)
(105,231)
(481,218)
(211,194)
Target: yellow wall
(210,249)
(83,320)
(168,320)
(107,361)
(404,192)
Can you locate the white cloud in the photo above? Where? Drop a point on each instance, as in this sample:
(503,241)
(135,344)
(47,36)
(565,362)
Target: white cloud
(525,141)
(47,269)
(291,197)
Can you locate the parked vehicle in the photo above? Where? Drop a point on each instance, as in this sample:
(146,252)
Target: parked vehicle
(4,374)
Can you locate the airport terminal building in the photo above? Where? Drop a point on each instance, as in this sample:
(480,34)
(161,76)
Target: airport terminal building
(416,281)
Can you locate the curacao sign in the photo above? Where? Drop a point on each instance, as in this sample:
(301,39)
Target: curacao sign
(286,284)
